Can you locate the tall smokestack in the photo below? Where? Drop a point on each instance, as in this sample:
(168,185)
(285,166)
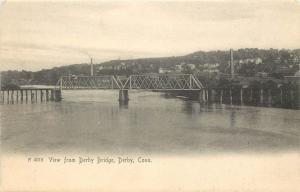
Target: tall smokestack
(92,68)
(231,63)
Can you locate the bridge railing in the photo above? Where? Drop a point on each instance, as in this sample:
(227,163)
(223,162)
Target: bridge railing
(144,82)
(163,82)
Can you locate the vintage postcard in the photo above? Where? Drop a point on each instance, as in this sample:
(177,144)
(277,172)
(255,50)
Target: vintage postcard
(150,95)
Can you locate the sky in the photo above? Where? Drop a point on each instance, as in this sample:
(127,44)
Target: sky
(37,35)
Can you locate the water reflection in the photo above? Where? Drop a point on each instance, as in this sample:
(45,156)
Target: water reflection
(94,121)
(123,104)
(232,118)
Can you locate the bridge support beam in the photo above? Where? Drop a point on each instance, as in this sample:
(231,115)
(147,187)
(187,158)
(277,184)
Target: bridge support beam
(213,95)
(269,98)
(202,96)
(57,95)
(123,95)
(52,95)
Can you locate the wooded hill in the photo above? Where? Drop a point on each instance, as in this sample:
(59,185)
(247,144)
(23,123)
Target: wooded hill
(274,62)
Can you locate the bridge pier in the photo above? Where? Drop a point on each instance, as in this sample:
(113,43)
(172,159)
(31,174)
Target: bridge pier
(202,96)
(123,95)
(57,95)
(213,95)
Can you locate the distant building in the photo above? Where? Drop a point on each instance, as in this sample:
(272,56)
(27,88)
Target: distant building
(282,69)
(100,67)
(106,67)
(209,67)
(116,67)
(261,74)
(178,68)
(256,61)
(211,70)
(295,59)
(213,66)
(191,66)
(164,70)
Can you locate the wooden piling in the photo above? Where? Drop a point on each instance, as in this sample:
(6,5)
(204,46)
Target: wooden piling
(230,95)
(281,96)
(7,96)
(292,97)
(207,95)
(52,95)
(17,96)
(47,95)
(12,96)
(31,95)
(41,94)
(241,96)
(261,98)
(221,96)
(251,95)
(269,97)
(213,95)
(21,95)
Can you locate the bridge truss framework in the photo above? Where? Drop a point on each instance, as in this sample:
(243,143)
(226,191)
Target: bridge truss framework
(138,82)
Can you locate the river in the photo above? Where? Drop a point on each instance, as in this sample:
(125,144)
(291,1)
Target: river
(151,123)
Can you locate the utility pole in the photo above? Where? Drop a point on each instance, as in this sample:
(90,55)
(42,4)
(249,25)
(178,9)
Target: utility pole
(231,64)
(92,68)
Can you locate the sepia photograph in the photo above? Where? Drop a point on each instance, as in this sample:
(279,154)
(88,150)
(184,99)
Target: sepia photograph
(150,95)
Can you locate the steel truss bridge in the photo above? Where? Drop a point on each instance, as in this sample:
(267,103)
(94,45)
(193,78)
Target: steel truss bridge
(138,82)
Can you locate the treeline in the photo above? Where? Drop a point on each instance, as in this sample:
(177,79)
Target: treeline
(275,62)
(272,60)
(43,77)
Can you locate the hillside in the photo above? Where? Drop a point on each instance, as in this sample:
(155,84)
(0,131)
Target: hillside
(273,62)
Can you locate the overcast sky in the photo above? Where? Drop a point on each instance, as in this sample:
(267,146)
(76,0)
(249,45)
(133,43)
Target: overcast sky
(36,35)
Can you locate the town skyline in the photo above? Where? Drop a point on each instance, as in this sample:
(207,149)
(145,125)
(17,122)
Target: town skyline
(104,62)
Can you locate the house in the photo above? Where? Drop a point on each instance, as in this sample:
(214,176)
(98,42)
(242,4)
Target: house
(211,70)
(178,68)
(164,70)
(261,74)
(256,61)
(191,66)
(100,67)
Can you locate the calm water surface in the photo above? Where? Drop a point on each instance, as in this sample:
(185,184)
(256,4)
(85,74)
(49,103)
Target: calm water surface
(94,121)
